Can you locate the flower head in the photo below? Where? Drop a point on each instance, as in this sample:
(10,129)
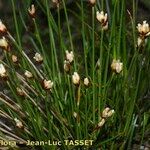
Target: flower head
(69,56)
(3,72)
(19,124)
(110,113)
(117,66)
(76,78)
(107,112)
(102,122)
(75,114)
(32,11)
(38,58)
(20,91)
(56,2)
(92,2)
(4,44)
(47,84)
(28,74)
(86,82)
(141,41)
(3,28)
(14,58)
(103,19)
(143,29)
(67,66)
(105,26)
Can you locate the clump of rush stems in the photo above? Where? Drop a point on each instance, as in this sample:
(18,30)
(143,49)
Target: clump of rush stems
(58,94)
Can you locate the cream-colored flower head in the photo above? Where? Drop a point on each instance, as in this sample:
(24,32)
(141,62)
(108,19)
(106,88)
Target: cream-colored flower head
(3,28)
(141,41)
(107,112)
(75,114)
(105,26)
(3,72)
(48,84)
(67,66)
(101,17)
(19,124)
(76,78)
(32,11)
(4,44)
(86,82)
(102,122)
(69,56)
(38,58)
(14,58)
(92,2)
(144,28)
(110,113)
(20,91)
(28,74)
(116,66)
(56,2)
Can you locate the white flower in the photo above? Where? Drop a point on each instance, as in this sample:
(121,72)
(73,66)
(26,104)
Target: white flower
(101,123)
(107,112)
(69,56)
(75,114)
(3,28)
(143,29)
(110,113)
(28,74)
(20,91)
(38,57)
(139,41)
(76,78)
(92,2)
(117,66)
(101,17)
(4,44)
(56,2)
(14,58)
(67,66)
(86,81)
(3,72)
(32,11)
(48,84)
(18,123)
(105,26)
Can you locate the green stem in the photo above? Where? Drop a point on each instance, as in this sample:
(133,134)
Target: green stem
(93,61)
(100,75)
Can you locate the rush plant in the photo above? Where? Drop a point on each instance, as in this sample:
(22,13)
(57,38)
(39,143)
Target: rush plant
(74,76)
